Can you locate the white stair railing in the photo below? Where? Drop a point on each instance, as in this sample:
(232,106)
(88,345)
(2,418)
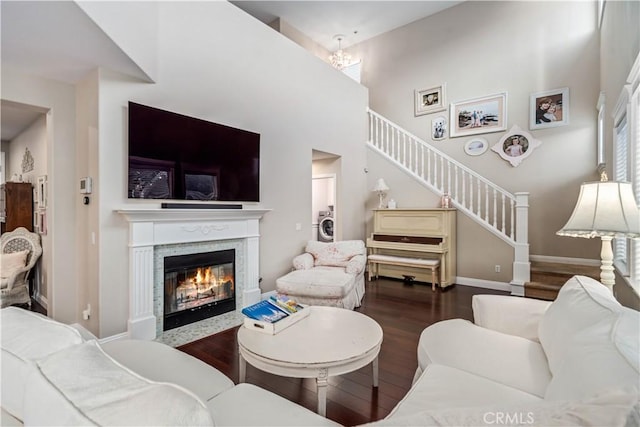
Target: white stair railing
(502,213)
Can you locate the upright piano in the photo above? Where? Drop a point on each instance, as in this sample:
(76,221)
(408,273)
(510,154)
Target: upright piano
(418,233)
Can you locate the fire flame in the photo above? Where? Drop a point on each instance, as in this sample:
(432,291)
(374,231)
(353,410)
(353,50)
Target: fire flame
(202,284)
(206,276)
(199,279)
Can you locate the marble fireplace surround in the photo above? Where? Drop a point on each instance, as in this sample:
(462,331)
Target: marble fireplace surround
(156,230)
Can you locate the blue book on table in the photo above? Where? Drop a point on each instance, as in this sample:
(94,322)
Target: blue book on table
(264,311)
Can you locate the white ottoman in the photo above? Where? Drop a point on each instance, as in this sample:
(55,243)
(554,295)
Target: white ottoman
(320,286)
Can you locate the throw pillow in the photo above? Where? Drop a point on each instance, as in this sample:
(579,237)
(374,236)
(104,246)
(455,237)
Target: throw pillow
(335,254)
(11,262)
(581,303)
(601,356)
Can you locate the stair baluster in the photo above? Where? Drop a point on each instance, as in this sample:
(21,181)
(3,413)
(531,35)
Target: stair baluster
(505,214)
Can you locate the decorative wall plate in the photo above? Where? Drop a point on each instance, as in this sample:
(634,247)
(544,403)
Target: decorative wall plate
(476,146)
(516,145)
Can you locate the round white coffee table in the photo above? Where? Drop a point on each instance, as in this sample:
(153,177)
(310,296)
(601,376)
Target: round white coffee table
(330,341)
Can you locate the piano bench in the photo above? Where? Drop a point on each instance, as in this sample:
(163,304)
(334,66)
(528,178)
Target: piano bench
(430,264)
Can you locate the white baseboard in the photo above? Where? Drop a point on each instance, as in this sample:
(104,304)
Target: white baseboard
(37,296)
(517,289)
(84,332)
(122,336)
(563,260)
(480,283)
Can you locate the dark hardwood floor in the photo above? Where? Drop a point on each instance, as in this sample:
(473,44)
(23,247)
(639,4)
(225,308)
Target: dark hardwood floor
(402,310)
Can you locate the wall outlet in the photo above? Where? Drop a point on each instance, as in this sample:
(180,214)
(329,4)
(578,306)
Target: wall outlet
(86,314)
(298,226)
(497,268)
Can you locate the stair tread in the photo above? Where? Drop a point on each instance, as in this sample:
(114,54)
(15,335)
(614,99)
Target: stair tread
(545,286)
(548,277)
(569,269)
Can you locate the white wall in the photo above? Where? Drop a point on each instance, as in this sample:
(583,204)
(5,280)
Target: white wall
(34,138)
(297,36)
(142,18)
(218,64)
(87,225)
(59,100)
(483,48)
(619,48)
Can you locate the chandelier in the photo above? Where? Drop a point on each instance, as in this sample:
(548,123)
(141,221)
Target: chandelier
(339,59)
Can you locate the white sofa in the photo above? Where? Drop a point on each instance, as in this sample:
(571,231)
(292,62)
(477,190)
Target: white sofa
(52,376)
(529,362)
(524,362)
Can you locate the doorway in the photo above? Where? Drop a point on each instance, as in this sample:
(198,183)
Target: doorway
(24,159)
(323,207)
(325,212)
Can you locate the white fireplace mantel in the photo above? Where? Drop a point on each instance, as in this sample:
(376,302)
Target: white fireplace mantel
(152,227)
(169,215)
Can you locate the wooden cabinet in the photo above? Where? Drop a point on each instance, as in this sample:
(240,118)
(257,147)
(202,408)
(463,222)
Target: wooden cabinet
(420,233)
(17,201)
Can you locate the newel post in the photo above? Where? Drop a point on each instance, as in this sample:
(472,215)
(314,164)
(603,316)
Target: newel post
(521,264)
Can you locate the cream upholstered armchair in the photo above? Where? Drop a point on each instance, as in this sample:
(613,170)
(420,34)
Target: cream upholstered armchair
(328,273)
(19,251)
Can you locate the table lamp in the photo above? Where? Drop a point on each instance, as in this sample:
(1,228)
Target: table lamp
(605,209)
(381,188)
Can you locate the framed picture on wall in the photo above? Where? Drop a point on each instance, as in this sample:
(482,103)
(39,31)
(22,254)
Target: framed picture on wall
(41,192)
(439,128)
(479,115)
(42,222)
(549,108)
(36,222)
(430,100)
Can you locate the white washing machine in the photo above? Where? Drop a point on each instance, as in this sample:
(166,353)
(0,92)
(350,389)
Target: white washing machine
(325,226)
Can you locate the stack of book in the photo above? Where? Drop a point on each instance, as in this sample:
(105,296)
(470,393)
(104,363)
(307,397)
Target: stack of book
(273,314)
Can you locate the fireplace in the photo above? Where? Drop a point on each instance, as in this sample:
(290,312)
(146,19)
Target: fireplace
(155,234)
(198,286)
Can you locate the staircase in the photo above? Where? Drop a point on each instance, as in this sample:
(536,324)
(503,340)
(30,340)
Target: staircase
(547,278)
(500,212)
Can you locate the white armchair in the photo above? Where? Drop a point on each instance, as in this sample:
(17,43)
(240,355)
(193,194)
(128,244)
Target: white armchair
(19,251)
(328,273)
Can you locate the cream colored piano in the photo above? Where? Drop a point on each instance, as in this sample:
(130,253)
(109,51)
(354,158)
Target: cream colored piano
(415,233)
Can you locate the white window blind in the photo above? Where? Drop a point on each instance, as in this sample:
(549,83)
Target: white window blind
(622,158)
(626,164)
(635,179)
(621,170)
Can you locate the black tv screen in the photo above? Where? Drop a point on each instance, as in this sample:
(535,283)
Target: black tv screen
(176,157)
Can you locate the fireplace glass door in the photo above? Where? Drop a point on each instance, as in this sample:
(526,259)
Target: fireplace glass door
(198,286)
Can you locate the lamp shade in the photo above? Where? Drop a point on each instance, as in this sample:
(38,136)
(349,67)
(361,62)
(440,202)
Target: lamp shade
(381,186)
(605,208)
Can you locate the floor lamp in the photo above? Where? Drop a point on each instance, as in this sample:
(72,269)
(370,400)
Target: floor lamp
(605,209)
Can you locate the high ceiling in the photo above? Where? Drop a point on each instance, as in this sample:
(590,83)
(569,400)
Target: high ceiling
(356,20)
(16,118)
(55,40)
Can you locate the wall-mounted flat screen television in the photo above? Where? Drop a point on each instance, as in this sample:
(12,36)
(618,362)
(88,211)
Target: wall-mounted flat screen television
(176,157)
